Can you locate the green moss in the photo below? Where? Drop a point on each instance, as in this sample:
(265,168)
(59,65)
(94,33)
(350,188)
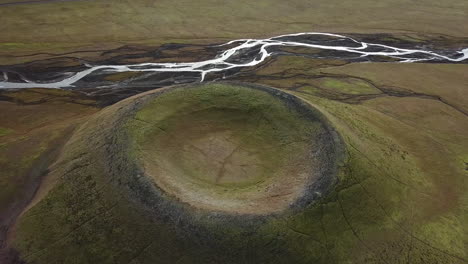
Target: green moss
(121,76)
(5,131)
(348,86)
(383,210)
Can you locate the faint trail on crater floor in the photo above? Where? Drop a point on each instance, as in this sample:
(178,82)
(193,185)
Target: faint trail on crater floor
(235,57)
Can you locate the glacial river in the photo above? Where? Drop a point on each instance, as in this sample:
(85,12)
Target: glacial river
(226,59)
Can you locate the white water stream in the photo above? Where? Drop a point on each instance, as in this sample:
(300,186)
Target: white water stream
(220,62)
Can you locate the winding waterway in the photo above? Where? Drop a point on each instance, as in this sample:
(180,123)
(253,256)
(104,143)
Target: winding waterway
(260,49)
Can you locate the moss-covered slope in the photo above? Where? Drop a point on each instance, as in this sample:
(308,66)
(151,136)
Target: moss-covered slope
(399,197)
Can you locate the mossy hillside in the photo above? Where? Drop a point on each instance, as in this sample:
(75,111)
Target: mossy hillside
(30,135)
(93,220)
(380,212)
(398,196)
(5,131)
(85,210)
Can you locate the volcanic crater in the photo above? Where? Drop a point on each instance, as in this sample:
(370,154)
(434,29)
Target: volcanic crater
(228,148)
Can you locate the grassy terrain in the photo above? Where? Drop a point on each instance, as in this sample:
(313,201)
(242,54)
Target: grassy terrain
(446,81)
(60,27)
(5,131)
(30,139)
(350,86)
(401,198)
(28,132)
